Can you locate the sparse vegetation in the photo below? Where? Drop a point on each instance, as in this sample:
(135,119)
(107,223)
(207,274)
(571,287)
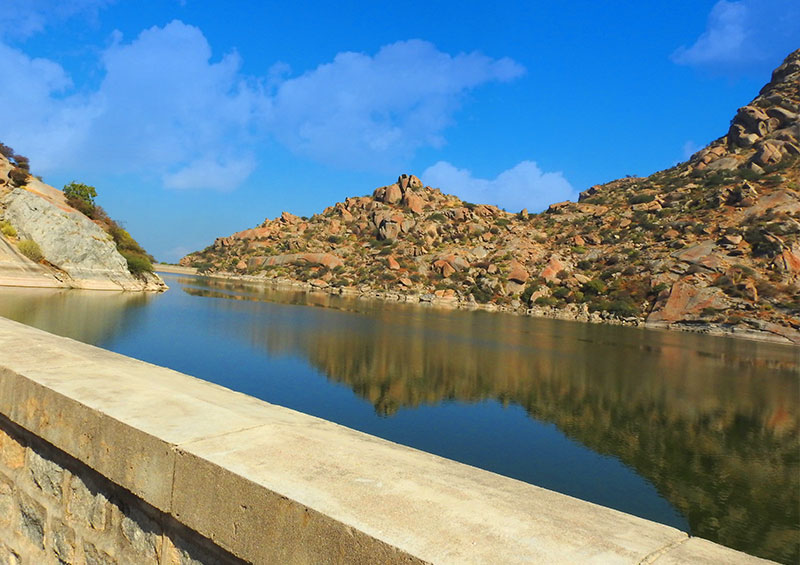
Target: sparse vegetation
(31,250)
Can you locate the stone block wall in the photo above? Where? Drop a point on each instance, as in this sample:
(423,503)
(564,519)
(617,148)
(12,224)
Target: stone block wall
(55,509)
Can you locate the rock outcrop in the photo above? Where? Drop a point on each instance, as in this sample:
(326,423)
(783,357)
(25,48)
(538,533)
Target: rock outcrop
(712,244)
(77,252)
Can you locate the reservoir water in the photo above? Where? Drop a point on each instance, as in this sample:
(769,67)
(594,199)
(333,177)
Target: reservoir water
(698,432)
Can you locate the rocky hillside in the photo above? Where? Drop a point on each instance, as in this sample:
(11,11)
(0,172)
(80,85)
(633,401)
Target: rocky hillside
(711,244)
(45,242)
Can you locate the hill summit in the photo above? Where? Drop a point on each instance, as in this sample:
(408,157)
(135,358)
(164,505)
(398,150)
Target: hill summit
(710,244)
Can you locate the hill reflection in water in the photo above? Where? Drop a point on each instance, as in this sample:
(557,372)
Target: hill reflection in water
(90,316)
(712,423)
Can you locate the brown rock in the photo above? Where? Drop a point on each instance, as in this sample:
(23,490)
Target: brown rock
(558,206)
(687,302)
(318,283)
(388,230)
(444,268)
(589,192)
(288,218)
(653,206)
(789,260)
(392,263)
(414,203)
(578,240)
(702,254)
(731,239)
(518,273)
(241,265)
(406,282)
(553,267)
(768,153)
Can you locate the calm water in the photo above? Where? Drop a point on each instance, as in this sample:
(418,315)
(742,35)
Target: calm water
(697,432)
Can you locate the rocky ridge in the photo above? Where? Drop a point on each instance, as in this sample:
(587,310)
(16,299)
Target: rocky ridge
(709,245)
(77,253)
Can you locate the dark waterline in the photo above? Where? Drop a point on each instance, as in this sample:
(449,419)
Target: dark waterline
(696,432)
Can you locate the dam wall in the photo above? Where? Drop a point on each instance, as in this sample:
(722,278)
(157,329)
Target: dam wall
(105,459)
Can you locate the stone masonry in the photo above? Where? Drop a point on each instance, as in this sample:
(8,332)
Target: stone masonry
(55,509)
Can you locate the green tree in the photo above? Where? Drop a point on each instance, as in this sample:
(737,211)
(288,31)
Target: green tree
(81,196)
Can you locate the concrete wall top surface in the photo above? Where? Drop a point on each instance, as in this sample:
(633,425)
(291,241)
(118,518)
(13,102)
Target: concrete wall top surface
(270,484)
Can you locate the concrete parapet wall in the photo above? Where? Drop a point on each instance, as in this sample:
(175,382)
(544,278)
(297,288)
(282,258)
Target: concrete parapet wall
(106,459)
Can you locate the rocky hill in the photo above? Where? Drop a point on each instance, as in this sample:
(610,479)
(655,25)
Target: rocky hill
(45,242)
(709,245)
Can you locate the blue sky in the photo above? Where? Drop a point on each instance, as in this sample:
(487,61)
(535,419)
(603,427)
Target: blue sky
(195,119)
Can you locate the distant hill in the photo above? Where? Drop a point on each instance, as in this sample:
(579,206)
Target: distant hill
(710,244)
(46,242)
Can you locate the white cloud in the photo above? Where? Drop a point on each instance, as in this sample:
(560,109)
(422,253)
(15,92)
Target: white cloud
(211,173)
(163,107)
(523,186)
(40,115)
(744,35)
(167,109)
(371,111)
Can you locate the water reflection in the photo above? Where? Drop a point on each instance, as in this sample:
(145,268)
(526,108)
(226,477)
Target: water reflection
(85,315)
(712,423)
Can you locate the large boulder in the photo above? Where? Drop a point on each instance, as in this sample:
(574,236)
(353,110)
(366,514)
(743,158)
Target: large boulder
(688,302)
(73,243)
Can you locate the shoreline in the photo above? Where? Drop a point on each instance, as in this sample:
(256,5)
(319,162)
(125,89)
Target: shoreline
(571,313)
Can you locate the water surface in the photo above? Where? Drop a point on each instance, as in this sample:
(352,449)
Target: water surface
(697,432)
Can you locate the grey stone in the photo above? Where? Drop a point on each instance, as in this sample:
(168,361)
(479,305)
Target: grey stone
(63,542)
(142,533)
(46,474)
(87,508)
(72,242)
(32,518)
(94,556)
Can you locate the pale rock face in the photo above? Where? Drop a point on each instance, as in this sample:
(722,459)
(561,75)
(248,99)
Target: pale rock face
(72,242)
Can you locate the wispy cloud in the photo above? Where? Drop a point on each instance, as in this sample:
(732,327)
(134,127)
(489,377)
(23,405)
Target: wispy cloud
(744,36)
(365,110)
(167,106)
(523,186)
(21,19)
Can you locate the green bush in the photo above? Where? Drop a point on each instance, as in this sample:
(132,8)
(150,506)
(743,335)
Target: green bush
(7,229)
(641,198)
(561,292)
(31,250)
(137,263)
(623,308)
(546,301)
(594,287)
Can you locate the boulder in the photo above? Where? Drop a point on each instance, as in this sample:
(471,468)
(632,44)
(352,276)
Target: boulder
(414,202)
(73,243)
(392,263)
(388,229)
(288,218)
(554,266)
(703,255)
(768,152)
(518,273)
(686,302)
(444,268)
